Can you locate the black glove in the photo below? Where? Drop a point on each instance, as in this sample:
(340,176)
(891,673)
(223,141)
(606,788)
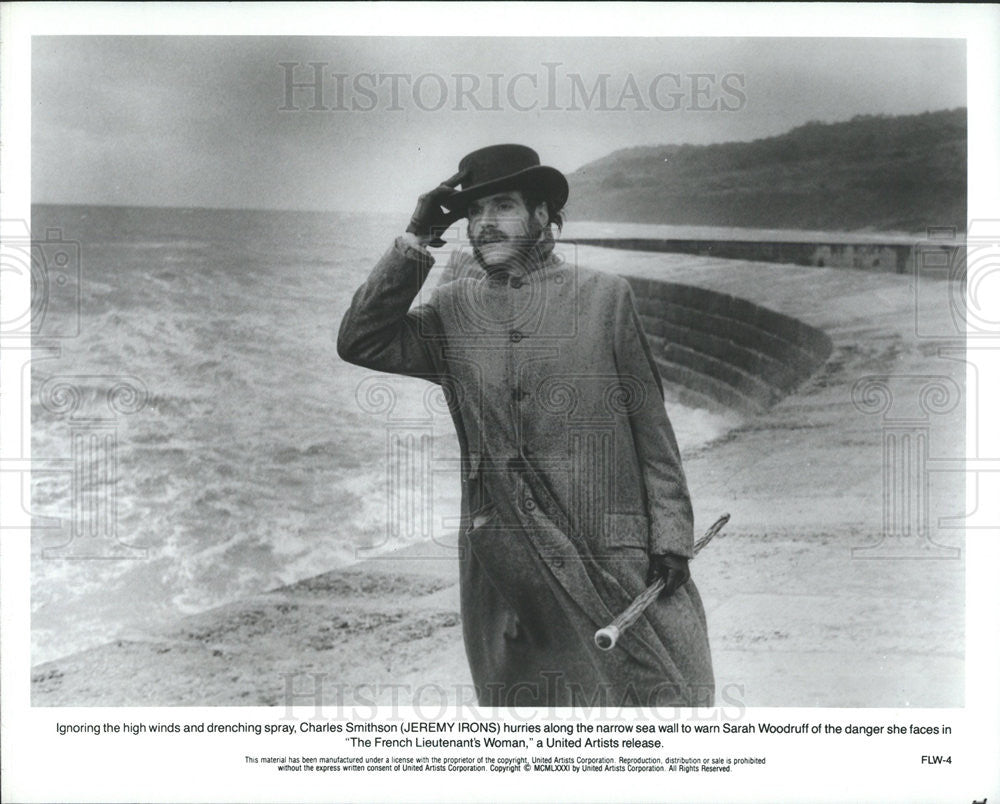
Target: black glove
(672,568)
(429,219)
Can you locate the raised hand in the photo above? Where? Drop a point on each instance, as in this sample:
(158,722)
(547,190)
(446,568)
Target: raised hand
(429,219)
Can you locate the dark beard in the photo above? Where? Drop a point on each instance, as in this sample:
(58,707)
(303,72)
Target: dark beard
(522,257)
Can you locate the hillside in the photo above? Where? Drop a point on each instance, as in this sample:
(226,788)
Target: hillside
(872,172)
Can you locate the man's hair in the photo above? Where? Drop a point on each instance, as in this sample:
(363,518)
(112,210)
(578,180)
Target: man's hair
(556,216)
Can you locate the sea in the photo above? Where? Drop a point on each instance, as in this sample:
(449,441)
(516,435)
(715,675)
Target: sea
(197,438)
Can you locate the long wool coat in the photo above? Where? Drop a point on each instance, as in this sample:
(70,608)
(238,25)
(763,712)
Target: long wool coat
(571,476)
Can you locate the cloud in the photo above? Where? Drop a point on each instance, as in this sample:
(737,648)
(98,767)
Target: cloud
(198,121)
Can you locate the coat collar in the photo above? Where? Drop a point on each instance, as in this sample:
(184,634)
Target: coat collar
(539,257)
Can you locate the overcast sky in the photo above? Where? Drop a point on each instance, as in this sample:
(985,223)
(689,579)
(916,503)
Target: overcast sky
(198,121)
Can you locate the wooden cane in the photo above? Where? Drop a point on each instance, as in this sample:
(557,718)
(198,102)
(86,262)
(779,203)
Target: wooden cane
(607,637)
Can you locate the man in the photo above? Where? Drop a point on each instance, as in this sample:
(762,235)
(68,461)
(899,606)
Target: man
(573,496)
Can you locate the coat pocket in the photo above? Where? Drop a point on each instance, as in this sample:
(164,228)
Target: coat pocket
(626,530)
(483,517)
(509,560)
(625,553)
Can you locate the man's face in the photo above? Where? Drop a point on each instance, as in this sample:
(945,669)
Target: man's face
(502,228)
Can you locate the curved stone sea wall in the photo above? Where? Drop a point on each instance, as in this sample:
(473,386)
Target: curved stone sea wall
(718,349)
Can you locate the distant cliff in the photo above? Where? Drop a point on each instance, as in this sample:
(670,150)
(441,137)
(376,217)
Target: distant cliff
(871,172)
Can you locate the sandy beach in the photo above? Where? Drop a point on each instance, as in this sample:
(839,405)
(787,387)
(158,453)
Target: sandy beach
(813,597)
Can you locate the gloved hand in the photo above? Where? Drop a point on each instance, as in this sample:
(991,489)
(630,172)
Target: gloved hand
(672,568)
(429,219)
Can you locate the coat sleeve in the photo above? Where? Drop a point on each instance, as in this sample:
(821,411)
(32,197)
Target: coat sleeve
(668,503)
(379,331)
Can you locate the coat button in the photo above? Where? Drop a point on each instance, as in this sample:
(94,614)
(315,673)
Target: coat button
(529,504)
(557,562)
(515,336)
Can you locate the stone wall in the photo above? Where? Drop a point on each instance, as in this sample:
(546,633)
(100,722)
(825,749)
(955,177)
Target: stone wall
(718,349)
(882,257)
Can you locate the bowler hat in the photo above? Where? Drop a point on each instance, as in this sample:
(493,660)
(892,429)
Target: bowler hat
(507,167)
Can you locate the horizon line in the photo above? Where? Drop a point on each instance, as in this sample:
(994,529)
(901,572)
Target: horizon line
(203,208)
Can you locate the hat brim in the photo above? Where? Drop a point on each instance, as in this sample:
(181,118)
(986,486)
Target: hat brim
(540,180)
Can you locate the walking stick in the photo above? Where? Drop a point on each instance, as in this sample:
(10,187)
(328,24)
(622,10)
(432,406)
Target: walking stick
(607,637)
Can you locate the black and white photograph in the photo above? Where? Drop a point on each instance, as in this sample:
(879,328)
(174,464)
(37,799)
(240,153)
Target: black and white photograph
(540,380)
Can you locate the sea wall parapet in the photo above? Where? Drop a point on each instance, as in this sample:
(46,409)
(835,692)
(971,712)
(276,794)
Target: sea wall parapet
(876,256)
